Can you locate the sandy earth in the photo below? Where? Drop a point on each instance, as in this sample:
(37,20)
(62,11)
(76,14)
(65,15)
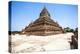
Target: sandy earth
(24,43)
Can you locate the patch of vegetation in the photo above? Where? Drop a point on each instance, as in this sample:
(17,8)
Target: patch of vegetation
(14,32)
(67,29)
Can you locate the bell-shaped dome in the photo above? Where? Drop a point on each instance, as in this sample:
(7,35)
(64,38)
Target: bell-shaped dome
(44,12)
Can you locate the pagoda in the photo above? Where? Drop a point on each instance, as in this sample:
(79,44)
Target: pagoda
(43,26)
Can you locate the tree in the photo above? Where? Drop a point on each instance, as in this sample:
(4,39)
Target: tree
(76,29)
(71,30)
(67,29)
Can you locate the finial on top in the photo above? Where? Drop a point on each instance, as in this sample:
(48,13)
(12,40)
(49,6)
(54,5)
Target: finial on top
(44,12)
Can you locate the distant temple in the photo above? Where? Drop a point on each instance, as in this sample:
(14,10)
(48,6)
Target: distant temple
(43,26)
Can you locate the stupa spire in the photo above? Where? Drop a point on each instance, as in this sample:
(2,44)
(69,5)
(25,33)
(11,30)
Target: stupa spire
(44,12)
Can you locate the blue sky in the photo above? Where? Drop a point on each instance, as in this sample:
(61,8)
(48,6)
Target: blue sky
(23,13)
